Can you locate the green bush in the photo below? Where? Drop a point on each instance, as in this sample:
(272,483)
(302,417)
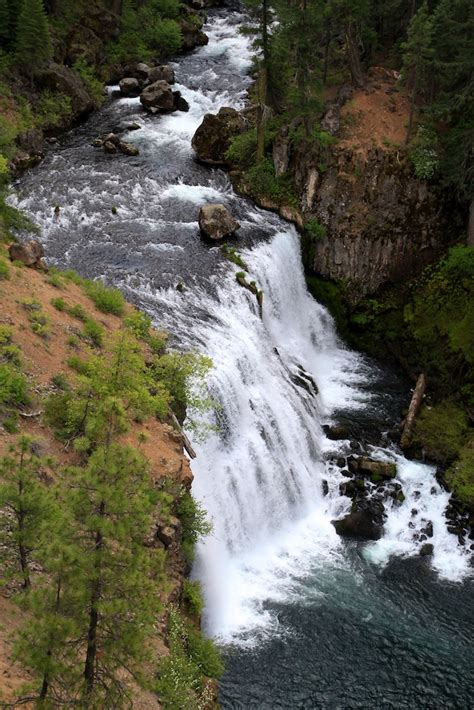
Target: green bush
(441,431)
(139,323)
(243,149)
(93,85)
(107,300)
(53,109)
(194,522)
(4,270)
(13,386)
(192,596)
(315,229)
(423,153)
(59,304)
(460,476)
(93,332)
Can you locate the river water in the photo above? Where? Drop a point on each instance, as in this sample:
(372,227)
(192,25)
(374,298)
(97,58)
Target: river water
(305,619)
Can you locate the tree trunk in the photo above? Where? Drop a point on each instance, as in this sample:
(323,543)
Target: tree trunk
(413,410)
(470,229)
(91,654)
(262,91)
(353,56)
(22,550)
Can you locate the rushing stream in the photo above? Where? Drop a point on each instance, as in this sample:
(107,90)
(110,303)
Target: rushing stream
(306,619)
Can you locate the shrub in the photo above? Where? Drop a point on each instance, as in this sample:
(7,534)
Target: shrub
(315,229)
(93,332)
(53,109)
(243,149)
(59,304)
(13,386)
(139,323)
(4,270)
(193,597)
(107,300)
(78,312)
(93,85)
(441,431)
(423,153)
(194,522)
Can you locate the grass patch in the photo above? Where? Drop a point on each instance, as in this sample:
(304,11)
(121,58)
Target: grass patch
(441,431)
(106,299)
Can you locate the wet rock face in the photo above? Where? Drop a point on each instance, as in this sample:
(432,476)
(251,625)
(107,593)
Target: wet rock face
(129,86)
(365,521)
(158,97)
(382,223)
(216,222)
(213,137)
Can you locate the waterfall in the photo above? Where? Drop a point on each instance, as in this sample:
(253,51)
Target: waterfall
(276,380)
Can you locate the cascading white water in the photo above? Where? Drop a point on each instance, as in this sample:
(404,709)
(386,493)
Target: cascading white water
(260,477)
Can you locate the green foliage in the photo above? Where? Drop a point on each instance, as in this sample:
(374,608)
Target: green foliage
(40,324)
(93,332)
(33,41)
(441,431)
(194,522)
(263,182)
(460,475)
(93,85)
(59,303)
(147,31)
(315,229)
(242,150)
(139,323)
(423,153)
(4,270)
(184,377)
(52,109)
(107,300)
(26,511)
(180,683)
(234,256)
(192,596)
(13,386)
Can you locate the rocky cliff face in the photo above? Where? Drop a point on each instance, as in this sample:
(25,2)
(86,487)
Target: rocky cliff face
(381,224)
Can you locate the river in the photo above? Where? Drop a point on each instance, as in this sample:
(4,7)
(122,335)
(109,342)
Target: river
(305,619)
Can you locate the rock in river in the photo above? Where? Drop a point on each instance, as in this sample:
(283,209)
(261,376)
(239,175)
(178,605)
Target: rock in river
(216,222)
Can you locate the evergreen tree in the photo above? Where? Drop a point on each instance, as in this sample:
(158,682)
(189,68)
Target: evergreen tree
(26,509)
(112,501)
(4,24)
(33,41)
(417,59)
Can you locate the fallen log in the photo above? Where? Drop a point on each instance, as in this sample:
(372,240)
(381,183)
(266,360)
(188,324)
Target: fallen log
(413,409)
(186,443)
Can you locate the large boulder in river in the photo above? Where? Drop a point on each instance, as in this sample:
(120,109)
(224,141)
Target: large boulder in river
(129,86)
(158,98)
(216,222)
(365,521)
(213,137)
(163,72)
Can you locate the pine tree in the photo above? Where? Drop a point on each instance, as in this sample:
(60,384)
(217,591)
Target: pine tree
(417,59)
(26,509)
(33,41)
(112,501)
(4,24)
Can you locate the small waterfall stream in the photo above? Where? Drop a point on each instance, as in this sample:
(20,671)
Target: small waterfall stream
(274,556)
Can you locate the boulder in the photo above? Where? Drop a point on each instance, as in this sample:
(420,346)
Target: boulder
(426,549)
(30,253)
(163,72)
(331,121)
(129,86)
(213,137)
(192,34)
(57,77)
(216,222)
(335,432)
(158,96)
(377,470)
(31,141)
(128,148)
(110,147)
(180,102)
(365,521)
(142,71)
(111,138)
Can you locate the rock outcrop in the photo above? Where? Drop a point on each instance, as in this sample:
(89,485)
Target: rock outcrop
(213,137)
(158,98)
(365,521)
(30,253)
(216,222)
(59,78)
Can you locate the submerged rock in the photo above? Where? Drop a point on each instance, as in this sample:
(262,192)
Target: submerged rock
(128,148)
(216,222)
